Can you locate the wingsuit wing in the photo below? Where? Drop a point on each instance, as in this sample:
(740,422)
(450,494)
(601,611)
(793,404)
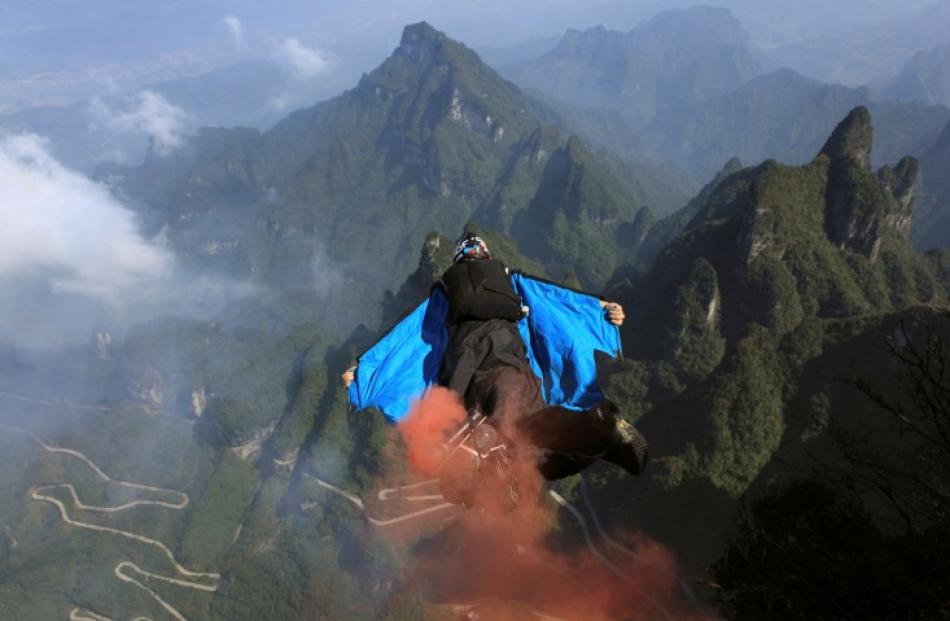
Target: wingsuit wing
(562,331)
(406,361)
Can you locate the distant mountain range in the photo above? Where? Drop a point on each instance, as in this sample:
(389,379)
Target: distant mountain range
(648,69)
(925,78)
(932,222)
(784,116)
(639,95)
(872,52)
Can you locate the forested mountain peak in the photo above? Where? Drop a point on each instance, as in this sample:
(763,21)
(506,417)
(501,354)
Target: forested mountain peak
(731,311)
(852,138)
(426,141)
(420,40)
(782,243)
(862,206)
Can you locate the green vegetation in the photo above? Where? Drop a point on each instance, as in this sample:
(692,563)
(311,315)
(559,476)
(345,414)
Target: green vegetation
(745,414)
(692,339)
(211,526)
(429,140)
(758,317)
(813,552)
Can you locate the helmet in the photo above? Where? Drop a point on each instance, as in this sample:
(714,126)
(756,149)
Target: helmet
(470,246)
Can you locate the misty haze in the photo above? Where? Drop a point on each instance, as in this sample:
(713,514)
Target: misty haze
(583,310)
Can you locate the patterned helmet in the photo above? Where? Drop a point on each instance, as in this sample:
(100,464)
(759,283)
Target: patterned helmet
(470,246)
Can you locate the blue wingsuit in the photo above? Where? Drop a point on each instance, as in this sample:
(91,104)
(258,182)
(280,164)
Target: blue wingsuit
(545,384)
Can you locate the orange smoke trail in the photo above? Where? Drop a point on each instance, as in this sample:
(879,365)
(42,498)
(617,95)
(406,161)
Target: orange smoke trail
(435,417)
(498,555)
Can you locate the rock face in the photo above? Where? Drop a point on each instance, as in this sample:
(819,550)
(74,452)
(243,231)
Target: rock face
(862,206)
(903,184)
(250,447)
(199,401)
(149,388)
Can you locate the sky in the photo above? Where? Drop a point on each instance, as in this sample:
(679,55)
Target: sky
(54,51)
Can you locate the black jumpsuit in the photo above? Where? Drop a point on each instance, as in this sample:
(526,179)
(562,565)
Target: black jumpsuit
(487,364)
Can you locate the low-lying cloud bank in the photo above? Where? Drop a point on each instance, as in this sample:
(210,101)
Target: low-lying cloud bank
(58,222)
(147,113)
(74,260)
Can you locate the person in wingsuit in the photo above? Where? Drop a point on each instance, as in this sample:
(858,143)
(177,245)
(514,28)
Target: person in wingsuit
(517,350)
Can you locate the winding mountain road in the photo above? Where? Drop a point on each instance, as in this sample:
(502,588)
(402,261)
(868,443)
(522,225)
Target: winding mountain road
(174,500)
(437,503)
(385,494)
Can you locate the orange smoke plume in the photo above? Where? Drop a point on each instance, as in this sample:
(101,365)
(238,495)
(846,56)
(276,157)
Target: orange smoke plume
(504,560)
(432,420)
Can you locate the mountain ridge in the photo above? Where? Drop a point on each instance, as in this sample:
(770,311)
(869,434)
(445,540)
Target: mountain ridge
(428,140)
(643,71)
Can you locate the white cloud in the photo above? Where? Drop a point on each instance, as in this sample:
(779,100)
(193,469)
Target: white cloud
(306,62)
(278,103)
(235,30)
(148,113)
(57,225)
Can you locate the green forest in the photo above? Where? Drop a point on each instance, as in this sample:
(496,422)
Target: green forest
(786,353)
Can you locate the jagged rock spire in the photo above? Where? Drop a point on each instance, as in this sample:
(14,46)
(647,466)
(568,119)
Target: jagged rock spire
(852,139)
(859,204)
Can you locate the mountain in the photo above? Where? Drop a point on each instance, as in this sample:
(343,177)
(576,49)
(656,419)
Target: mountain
(925,78)
(646,70)
(781,222)
(937,163)
(932,223)
(640,95)
(499,57)
(773,262)
(869,54)
(427,141)
(784,116)
(225,447)
(662,232)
